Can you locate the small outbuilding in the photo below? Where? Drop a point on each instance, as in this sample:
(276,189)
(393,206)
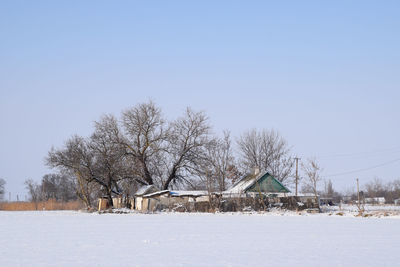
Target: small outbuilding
(142,191)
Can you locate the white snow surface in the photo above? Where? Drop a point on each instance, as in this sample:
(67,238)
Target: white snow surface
(188,193)
(143,190)
(68,238)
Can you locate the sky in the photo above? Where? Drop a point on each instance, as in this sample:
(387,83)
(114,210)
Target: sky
(326,75)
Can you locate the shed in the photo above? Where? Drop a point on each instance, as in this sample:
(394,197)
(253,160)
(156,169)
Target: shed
(150,201)
(103,203)
(142,191)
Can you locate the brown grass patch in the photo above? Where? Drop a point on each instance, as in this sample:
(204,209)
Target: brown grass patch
(43,205)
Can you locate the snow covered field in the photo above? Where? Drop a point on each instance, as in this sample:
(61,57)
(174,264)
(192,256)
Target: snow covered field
(66,238)
(374,210)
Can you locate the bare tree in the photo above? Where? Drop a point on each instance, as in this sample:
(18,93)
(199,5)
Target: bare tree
(220,163)
(330,192)
(145,136)
(33,191)
(306,188)
(186,143)
(312,171)
(76,158)
(268,151)
(375,188)
(108,156)
(395,189)
(60,187)
(2,188)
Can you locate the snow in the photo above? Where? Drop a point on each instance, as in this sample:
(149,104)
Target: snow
(144,189)
(156,193)
(188,193)
(352,209)
(67,238)
(243,184)
(178,193)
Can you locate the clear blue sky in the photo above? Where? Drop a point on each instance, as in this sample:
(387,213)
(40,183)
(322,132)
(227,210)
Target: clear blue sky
(326,75)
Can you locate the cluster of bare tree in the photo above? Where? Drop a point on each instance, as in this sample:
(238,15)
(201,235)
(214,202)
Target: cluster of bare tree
(377,188)
(60,187)
(2,188)
(312,171)
(374,189)
(143,148)
(268,151)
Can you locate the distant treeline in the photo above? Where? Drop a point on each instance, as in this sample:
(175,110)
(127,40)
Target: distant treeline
(55,186)
(376,188)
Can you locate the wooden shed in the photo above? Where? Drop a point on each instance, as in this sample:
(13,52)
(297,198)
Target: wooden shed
(142,191)
(103,203)
(152,200)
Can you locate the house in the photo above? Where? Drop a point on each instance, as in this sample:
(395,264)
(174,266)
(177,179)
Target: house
(274,194)
(375,200)
(257,183)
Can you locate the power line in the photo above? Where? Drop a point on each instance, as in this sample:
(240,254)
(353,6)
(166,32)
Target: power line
(364,169)
(361,154)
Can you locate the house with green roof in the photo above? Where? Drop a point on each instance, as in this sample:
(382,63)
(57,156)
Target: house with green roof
(262,182)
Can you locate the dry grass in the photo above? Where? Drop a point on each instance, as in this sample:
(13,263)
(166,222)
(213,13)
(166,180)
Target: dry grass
(45,205)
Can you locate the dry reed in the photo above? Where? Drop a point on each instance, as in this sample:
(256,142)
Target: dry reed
(42,205)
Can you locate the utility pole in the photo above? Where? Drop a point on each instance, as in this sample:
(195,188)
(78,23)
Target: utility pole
(359,206)
(297,173)
(358,194)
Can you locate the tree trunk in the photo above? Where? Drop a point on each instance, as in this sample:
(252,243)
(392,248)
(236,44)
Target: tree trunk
(109,198)
(147,175)
(109,191)
(170,178)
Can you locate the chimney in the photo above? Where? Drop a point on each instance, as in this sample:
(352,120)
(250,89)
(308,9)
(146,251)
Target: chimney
(256,171)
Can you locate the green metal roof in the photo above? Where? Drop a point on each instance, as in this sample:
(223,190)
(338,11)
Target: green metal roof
(267,184)
(263,182)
